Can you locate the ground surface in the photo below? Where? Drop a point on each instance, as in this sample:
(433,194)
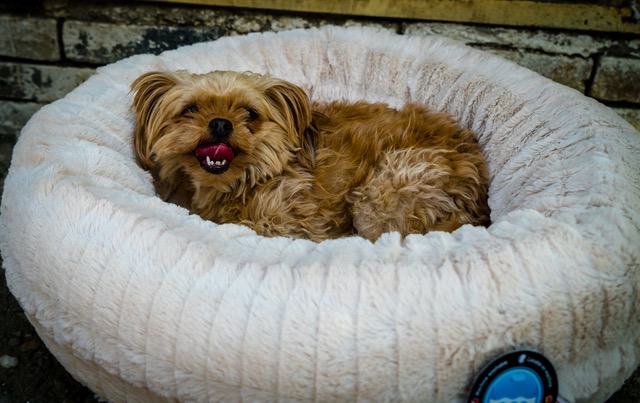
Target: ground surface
(39,378)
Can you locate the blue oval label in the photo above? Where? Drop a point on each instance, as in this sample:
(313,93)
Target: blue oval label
(516,377)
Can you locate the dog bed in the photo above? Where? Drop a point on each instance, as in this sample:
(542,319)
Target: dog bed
(142,301)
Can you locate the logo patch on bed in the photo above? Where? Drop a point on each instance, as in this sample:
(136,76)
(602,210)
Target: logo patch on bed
(516,377)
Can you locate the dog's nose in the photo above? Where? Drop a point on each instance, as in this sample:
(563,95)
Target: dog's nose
(220,128)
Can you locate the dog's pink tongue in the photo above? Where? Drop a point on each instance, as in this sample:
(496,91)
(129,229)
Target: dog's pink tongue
(216,152)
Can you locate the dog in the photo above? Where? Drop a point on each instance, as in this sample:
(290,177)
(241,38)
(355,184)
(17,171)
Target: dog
(247,148)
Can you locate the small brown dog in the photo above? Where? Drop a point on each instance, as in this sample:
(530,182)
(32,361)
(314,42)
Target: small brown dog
(251,149)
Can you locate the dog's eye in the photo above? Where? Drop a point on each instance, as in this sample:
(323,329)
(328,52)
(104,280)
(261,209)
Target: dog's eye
(193,108)
(251,114)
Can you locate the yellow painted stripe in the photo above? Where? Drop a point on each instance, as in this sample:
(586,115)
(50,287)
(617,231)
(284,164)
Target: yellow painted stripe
(497,12)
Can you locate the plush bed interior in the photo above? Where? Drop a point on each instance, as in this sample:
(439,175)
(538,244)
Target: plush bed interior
(142,301)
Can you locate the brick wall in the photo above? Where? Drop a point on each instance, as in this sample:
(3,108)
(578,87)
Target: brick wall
(49,47)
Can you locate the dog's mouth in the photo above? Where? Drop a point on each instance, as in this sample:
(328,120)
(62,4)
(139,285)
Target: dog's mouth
(215,158)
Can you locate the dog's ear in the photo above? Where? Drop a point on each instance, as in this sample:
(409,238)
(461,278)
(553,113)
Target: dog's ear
(149,89)
(293,106)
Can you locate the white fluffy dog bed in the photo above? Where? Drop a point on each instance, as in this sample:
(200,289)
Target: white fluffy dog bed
(141,301)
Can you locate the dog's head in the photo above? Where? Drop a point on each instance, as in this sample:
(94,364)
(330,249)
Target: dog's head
(221,129)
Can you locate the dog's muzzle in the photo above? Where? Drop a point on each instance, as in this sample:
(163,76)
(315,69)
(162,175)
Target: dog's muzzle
(215,157)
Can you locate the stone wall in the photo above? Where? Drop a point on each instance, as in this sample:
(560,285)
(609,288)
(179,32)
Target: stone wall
(49,47)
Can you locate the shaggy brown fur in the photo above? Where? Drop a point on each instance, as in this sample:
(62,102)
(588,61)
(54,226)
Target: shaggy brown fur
(251,149)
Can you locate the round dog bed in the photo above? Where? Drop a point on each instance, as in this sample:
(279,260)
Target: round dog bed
(141,301)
